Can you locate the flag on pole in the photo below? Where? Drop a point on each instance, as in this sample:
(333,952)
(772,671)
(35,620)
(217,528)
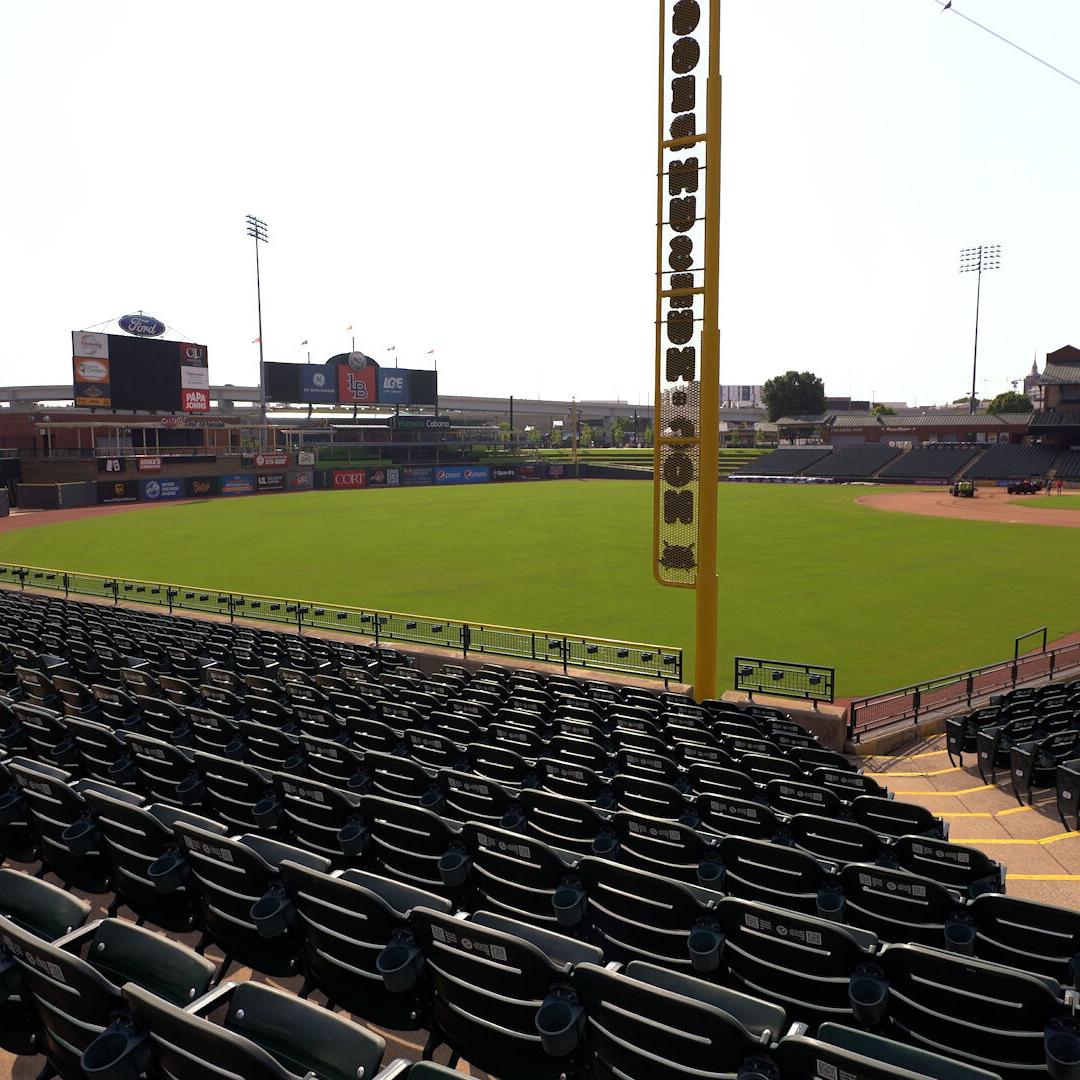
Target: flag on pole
(430,352)
(304,342)
(349,327)
(391,348)
(255,341)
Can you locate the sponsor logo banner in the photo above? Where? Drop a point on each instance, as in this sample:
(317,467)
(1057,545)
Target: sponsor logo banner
(462,474)
(305,457)
(393,477)
(195,400)
(270,461)
(556,472)
(301,481)
(318,383)
(237,484)
(503,472)
(424,475)
(84,343)
(110,465)
(93,396)
(526,472)
(349,478)
(376,477)
(356,387)
(142,325)
(90,374)
(148,464)
(153,490)
(117,491)
(192,355)
(393,386)
(91,370)
(194,378)
(409,422)
(270,481)
(201,487)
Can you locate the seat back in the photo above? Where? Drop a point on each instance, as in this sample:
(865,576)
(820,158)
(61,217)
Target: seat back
(896,905)
(660,846)
(770,873)
(561,821)
(406,842)
(839,841)
(1034,937)
(726,816)
(44,910)
(965,869)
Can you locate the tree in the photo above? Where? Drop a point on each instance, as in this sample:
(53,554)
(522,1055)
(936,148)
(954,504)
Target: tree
(618,431)
(882,410)
(648,435)
(533,436)
(794,393)
(1010,402)
(586,436)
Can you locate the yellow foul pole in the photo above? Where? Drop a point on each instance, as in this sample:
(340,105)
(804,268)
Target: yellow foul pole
(706,614)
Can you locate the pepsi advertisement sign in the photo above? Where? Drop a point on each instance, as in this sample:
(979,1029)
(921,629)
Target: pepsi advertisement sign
(462,474)
(393,386)
(318,383)
(156,490)
(141,325)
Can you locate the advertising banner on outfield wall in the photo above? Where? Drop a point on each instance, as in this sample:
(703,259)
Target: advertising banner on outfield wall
(276,460)
(237,484)
(348,478)
(270,482)
(117,491)
(556,472)
(462,474)
(503,472)
(393,477)
(305,457)
(201,487)
(155,490)
(301,481)
(527,472)
(376,477)
(415,476)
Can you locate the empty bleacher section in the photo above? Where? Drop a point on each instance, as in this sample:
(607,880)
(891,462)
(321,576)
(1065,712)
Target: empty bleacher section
(929,463)
(551,877)
(852,462)
(1012,463)
(783,462)
(1068,466)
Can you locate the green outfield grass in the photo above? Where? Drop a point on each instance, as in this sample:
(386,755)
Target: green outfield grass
(1050,502)
(806,574)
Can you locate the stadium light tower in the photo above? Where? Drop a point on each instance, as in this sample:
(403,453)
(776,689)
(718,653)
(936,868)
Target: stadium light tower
(978,259)
(257,230)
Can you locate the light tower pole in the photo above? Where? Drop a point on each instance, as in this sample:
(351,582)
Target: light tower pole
(978,259)
(257,230)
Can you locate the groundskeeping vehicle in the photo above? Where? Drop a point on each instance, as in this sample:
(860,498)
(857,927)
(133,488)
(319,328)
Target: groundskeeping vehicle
(963,489)
(1025,487)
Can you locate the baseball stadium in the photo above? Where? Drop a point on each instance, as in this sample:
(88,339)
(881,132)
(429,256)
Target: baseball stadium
(354,729)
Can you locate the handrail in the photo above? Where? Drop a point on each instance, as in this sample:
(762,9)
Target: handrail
(570,650)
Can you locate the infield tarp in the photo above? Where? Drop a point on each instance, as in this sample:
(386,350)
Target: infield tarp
(462,474)
(156,490)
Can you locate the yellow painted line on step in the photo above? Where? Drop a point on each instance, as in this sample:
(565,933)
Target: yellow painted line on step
(1014,810)
(987,813)
(959,791)
(1044,877)
(932,772)
(958,813)
(1012,840)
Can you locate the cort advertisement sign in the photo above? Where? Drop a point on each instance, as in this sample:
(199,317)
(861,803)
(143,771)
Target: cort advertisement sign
(349,478)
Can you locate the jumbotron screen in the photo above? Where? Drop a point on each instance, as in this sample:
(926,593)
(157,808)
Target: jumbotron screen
(350,379)
(114,371)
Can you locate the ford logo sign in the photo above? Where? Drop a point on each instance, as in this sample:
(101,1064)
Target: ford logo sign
(142,325)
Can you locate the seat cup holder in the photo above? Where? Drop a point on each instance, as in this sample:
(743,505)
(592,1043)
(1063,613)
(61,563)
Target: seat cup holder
(81,837)
(235,750)
(168,872)
(606,845)
(704,948)
(1062,1049)
(432,799)
(190,790)
(710,874)
(831,905)
(352,838)
(272,914)
(454,868)
(569,903)
(513,820)
(868,996)
(116,1054)
(266,813)
(400,964)
(559,1023)
(756,1069)
(960,936)
(12,805)
(123,770)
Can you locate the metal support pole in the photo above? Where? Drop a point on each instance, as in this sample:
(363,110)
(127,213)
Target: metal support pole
(707,590)
(975,353)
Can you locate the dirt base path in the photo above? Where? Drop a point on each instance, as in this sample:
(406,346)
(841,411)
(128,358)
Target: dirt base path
(990,504)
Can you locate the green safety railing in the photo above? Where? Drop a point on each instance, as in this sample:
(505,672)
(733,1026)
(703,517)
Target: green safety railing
(484,639)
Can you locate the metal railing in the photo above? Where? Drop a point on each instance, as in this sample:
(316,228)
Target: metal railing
(810,682)
(910,702)
(484,639)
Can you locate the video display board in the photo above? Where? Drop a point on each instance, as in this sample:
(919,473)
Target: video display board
(112,371)
(350,379)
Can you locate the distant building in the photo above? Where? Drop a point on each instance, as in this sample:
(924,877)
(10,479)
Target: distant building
(738,396)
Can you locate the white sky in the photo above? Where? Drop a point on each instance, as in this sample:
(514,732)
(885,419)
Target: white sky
(478,177)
